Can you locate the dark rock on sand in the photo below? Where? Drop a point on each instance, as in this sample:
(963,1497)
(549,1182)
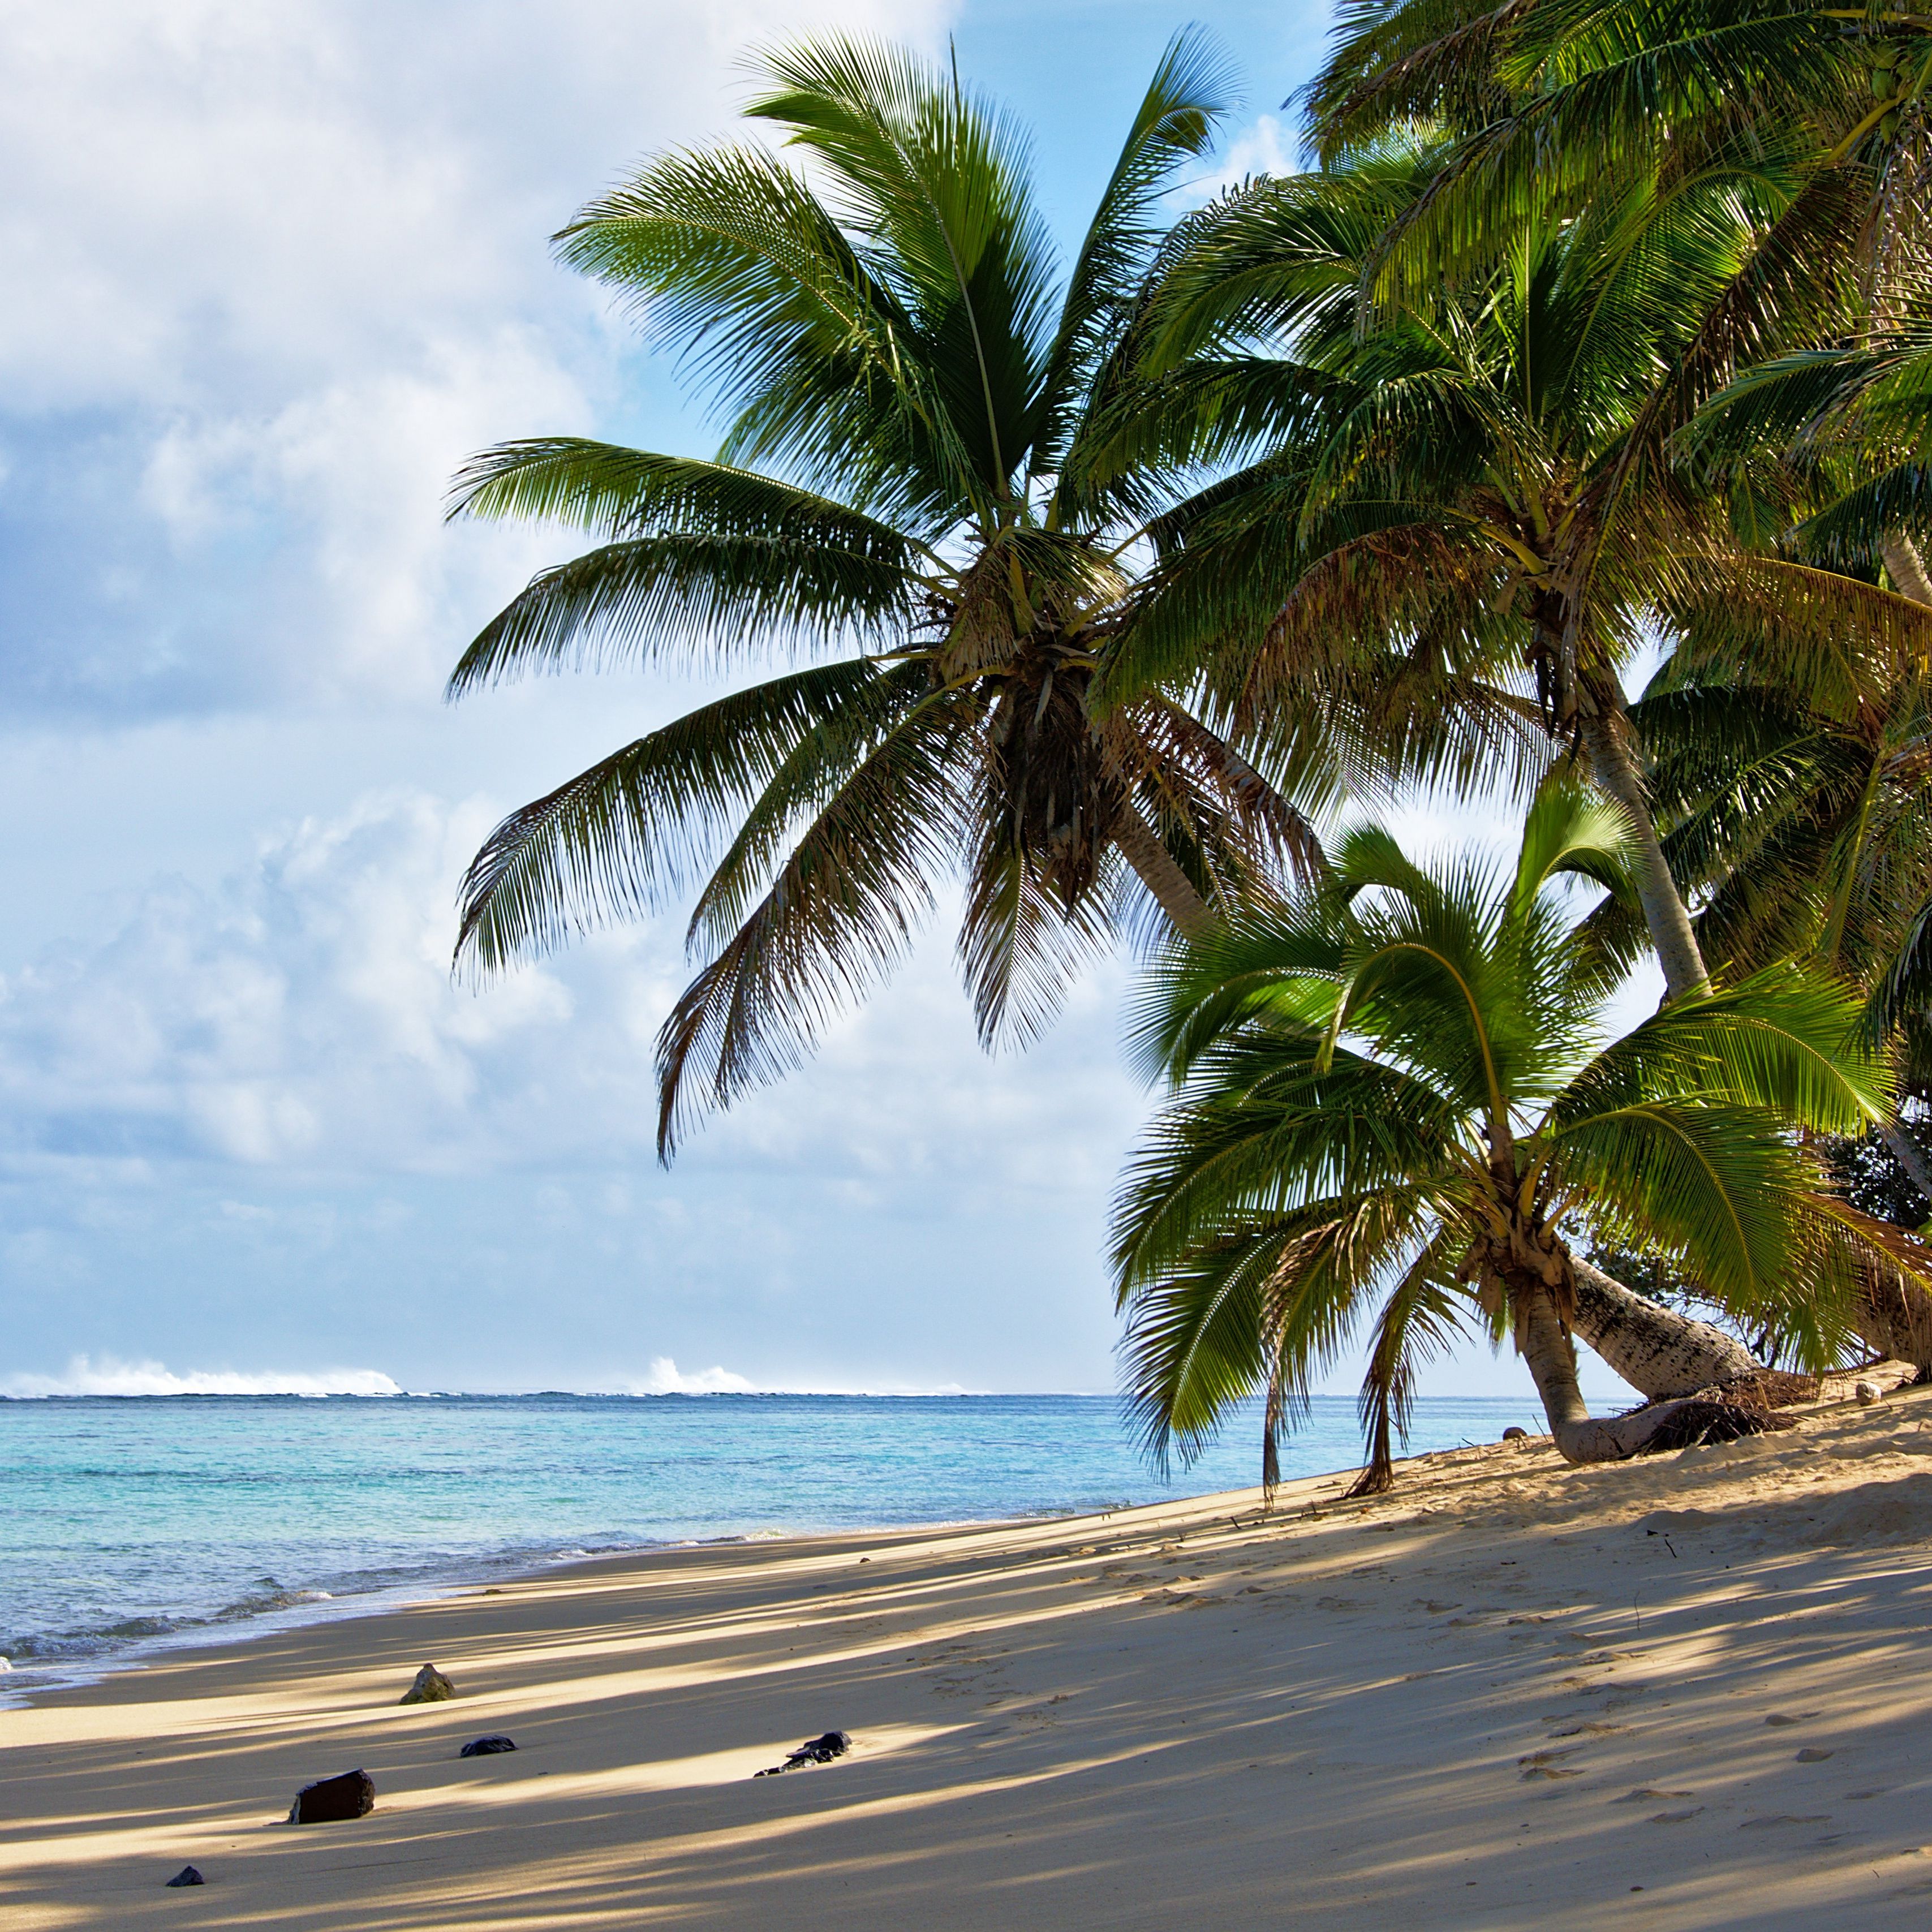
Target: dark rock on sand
(488,1747)
(814,1751)
(187,1875)
(431,1687)
(330,1800)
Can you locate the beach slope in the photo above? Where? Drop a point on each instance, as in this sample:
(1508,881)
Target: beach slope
(1691,1694)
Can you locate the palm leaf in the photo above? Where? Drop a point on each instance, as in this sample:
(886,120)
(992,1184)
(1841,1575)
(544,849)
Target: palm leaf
(1020,943)
(847,902)
(625,836)
(1191,90)
(698,598)
(622,492)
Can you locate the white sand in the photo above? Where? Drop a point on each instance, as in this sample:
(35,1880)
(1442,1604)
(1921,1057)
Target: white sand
(1510,1695)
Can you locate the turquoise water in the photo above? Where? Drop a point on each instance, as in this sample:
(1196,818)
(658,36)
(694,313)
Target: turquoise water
(130,1522)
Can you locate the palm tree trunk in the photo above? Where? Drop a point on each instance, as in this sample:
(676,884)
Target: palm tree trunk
(1905,1151)
(1894,1318)
(1658,1352)
(1545,1348)
(1173,890)
(1581,1438)
(1607,737)
(1906,567)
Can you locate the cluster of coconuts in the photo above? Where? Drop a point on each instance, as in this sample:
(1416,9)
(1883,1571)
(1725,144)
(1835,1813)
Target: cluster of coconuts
(1885,85)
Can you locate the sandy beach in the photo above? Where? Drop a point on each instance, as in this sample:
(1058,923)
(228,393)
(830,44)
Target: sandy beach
(1689,1694)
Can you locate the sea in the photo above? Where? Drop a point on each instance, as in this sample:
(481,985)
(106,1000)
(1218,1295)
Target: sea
(132,1525)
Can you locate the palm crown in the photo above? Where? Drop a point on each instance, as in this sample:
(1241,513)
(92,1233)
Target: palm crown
(1394,1095)
(910,389)
(1558,93)
(1470,482)
(1549,98)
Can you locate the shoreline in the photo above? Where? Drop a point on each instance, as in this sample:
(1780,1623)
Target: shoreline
(1692,1691)
(246,1574)
(317,1609)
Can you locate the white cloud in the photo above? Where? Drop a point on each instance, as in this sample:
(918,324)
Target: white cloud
(1266,146)
(107,1376)
(305,1014)
(276,271)
(272,271)
(301,1016)
(264,1109)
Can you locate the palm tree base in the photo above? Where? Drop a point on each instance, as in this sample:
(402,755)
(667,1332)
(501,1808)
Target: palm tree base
(1683,1422)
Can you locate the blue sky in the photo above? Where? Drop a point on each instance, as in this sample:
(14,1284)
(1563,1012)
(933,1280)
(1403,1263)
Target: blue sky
(272,273)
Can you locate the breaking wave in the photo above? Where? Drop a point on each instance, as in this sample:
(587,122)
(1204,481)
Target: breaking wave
(85,1375)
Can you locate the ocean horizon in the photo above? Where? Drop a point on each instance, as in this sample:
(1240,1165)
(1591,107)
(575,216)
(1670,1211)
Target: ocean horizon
(131,1524)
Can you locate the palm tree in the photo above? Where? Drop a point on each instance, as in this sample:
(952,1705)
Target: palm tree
(902,497)
(1545,98)
(1798,782)
(1474,482)
(1393,1096)
(1464,513)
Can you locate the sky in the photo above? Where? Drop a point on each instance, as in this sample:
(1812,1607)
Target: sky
(273,273)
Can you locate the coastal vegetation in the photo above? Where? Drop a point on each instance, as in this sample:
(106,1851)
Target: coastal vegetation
(1590,349)
(1397,1103)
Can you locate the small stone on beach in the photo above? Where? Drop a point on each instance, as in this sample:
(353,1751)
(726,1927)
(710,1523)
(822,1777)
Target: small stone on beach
(431,1687)
(814,1751)
(488,1747)
(331,1801)
(187,1875)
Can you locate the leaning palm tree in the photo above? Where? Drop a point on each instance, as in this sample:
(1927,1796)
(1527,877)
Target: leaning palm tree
(1476,481)
(901,499)
(1798,783)
(1394,1097)
(1464,512)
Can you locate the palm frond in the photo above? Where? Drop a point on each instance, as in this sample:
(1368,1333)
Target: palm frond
(1194,1339)
(625,836)
(620,493)
(1192,90)
(1021,943)
(1420,1319)
(847,901)
(697,598)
